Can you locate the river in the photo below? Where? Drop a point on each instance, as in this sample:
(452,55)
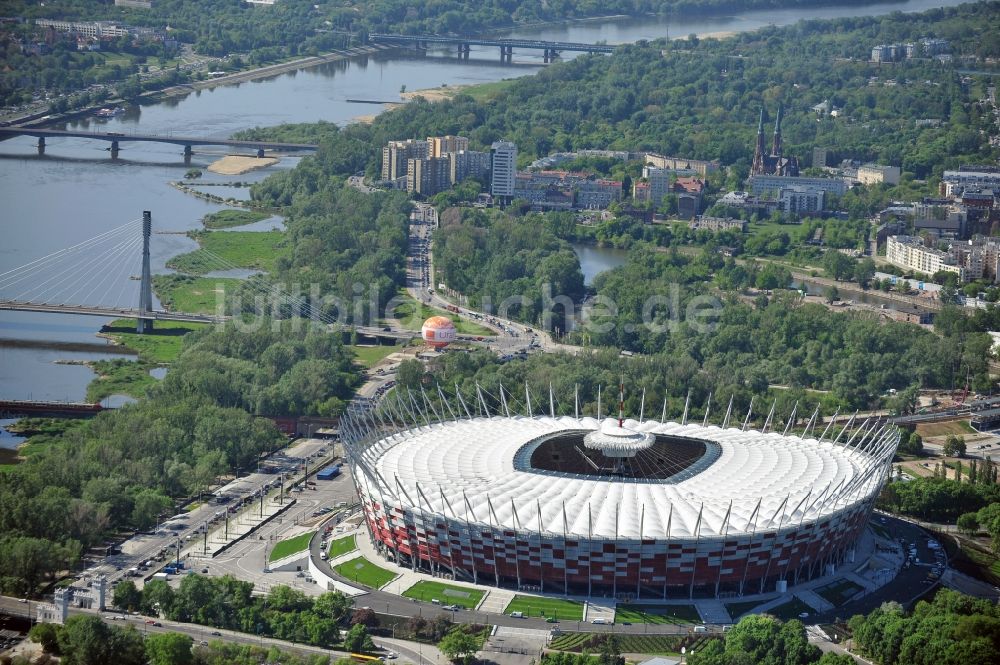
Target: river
(75,192)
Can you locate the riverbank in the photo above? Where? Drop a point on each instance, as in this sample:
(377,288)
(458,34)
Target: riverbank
(190,188)
(43,118)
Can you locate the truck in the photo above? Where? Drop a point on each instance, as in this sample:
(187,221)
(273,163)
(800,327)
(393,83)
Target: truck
(329,473)
(161,576)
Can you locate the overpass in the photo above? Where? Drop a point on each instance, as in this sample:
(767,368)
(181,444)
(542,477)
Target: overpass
(116,138)
(506,46)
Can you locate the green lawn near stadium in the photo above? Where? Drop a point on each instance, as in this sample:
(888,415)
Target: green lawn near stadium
(284,548)
(342,546)
(536,606)
(446,593)
(674,614)
(363,571)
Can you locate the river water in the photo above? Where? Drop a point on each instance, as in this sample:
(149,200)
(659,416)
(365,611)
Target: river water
(75,192)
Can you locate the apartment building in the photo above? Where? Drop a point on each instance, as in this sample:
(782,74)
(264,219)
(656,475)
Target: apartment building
(503,167)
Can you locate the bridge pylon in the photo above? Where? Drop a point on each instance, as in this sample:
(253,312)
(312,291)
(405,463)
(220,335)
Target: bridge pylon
(144,324)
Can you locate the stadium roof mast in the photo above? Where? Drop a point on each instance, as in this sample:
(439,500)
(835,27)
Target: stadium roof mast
(621,403)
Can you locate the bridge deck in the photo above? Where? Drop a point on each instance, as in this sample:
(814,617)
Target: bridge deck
(39,132)
(161,315)
(473,41)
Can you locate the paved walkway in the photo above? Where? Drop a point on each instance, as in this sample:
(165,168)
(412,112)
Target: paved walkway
(601,609)
(713,611)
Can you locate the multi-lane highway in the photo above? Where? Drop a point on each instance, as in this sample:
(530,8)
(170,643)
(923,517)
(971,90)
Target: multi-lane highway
(511,337)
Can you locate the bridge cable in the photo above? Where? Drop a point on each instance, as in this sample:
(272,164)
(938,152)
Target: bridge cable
(72,272)
(116,279)
(43,274)
(130,245)
(32,265)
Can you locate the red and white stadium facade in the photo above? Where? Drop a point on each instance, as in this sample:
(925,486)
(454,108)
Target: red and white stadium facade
(608,507)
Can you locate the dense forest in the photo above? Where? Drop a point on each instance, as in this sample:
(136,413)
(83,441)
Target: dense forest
(349,245)
(500,257)
(125,468)
(840,360)
(952,629)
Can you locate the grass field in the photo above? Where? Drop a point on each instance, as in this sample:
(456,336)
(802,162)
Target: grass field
(284,548)
(534,606)
(482,92)
(412,314)
(840,592)
(119,377)
(371,355)
(958,427)
(791,610)
(446,593)
(657,614)
(226,219)
(243,249)
(162,345)
(194,295)
(342,546)
(363,571)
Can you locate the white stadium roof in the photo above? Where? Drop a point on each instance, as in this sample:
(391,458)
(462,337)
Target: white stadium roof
(476,470)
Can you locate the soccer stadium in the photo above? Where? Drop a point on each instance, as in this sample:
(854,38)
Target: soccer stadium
(625,508)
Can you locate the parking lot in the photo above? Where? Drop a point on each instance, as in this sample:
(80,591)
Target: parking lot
(146,551)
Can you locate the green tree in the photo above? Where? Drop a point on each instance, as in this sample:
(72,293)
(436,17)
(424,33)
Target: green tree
(864,272)
(968,523)
(169,649)
(838,265)
(126,596)
(47,635)
(148,505)
(831,294)
(358,639)
(459,646)
(954,446)
(157,597)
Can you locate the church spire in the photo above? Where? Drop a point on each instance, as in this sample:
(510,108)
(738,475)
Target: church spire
(776,143)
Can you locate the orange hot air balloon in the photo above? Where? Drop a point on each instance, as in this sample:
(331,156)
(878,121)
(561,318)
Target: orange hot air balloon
(438,331)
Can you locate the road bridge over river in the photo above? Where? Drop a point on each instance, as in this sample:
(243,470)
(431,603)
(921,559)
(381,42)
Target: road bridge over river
(116,138)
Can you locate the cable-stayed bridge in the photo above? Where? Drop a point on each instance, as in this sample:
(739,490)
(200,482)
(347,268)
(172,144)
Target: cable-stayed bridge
(109,275)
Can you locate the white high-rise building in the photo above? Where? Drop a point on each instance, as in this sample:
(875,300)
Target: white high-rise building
(504,167)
